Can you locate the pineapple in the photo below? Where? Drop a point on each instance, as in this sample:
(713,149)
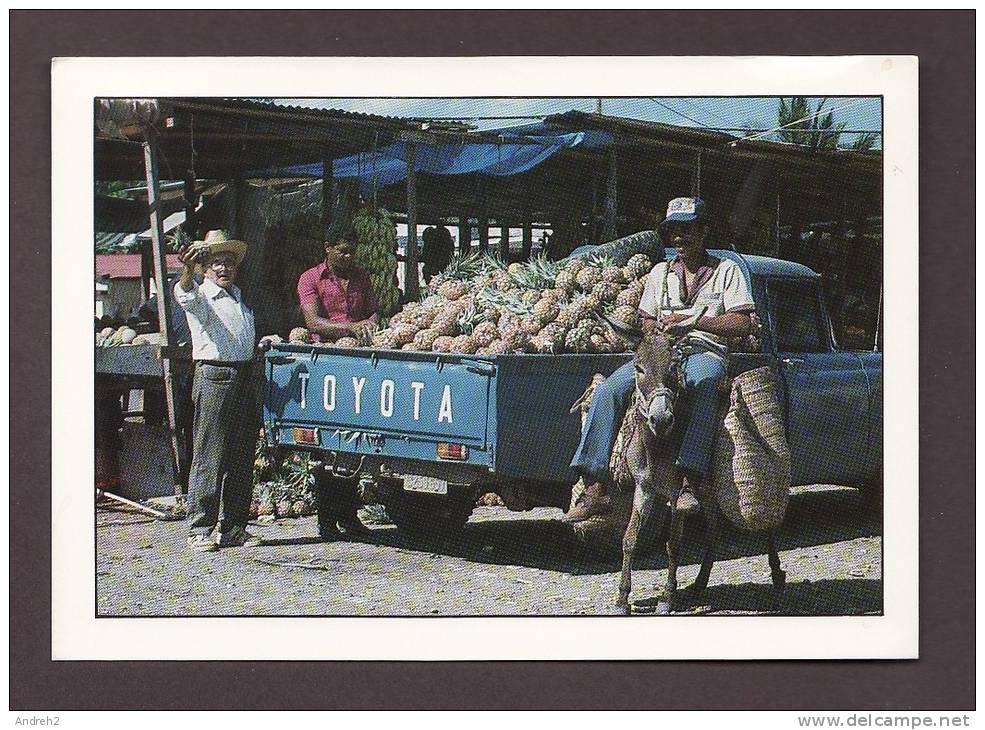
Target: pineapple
(300,508)
(484,333)
(574,265)
(566,317)
(497,347)
(588,277)
(404,333)
(299,335)
(424,340)
(265,508)
(442,343)
(629,297)
(565,281)
(627,316)
(285,508)
(606,291)
(530,325)
(584,305)
(385,339)
(463,344)
(541,345)
(515,339)
(409,347)
(530,297)
(614,275)
(452,290)
(254,509)
(640,265)
(545,310)
(446,324)
(515,269)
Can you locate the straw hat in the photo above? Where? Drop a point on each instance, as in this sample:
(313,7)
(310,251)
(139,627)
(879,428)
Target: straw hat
(217,242)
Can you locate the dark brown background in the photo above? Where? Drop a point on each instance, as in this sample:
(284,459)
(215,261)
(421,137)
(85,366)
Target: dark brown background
(944,676)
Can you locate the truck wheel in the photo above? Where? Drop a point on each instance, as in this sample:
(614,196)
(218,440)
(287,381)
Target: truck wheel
(431,516)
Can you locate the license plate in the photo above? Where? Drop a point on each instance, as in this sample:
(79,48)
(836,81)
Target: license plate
(430,485)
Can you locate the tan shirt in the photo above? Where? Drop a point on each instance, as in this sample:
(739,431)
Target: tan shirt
(720,289)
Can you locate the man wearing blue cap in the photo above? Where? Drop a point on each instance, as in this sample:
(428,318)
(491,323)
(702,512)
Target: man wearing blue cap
(692,282)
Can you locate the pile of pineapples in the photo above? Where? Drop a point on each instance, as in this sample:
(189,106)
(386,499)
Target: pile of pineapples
(480,306)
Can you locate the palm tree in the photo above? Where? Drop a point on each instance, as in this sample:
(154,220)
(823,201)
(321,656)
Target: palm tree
(808,127)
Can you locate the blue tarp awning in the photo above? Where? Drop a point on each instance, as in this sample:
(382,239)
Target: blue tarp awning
(516,154)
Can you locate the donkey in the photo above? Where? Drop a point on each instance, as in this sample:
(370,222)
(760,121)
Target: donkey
(648,464)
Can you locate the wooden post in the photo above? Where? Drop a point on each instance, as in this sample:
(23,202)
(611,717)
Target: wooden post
(327,192)
(504,242)
(696,175)
(484,235)
(593,222)
(464,235)
(528,238)
(610,205)
(191,203)
(164,296)
(411,279)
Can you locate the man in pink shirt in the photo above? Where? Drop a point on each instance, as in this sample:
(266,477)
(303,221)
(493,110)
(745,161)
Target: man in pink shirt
(337,300)
(336,296)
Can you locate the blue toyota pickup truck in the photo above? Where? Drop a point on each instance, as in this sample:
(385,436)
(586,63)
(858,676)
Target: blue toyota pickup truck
(437,430)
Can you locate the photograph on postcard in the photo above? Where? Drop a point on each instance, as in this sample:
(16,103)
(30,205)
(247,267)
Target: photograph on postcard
(474,356)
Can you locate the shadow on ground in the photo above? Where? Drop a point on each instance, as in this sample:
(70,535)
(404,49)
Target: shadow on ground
(803,598)
(813,518)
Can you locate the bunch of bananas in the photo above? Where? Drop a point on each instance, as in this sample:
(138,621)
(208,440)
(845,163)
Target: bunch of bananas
(376,241)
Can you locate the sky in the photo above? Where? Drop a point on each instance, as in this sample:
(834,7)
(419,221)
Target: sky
(858,113)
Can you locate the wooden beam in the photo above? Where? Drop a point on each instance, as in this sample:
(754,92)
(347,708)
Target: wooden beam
(164,296)
(411,279)
(696,174)
(483,235)
(528,238)
(327,192)
(191,203)
(610,205)
(464,234)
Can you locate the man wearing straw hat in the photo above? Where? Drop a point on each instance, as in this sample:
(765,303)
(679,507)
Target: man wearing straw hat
(225,393)
(692,283)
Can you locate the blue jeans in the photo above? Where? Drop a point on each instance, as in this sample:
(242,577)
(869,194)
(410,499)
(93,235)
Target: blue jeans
(703,374)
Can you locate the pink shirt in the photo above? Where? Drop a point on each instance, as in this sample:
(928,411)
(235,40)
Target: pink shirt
(336,302)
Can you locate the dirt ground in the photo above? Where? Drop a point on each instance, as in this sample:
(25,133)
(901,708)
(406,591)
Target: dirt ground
(503,563)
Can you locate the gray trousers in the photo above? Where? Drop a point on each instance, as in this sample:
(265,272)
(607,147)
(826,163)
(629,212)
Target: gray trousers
(227,418)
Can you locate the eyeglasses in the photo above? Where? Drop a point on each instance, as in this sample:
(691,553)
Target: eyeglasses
(223,263)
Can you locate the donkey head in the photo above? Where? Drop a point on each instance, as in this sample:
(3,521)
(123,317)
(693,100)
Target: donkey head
(654,397)
(658,376)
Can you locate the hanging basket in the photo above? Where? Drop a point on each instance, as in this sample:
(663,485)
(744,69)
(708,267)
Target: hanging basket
(751,470)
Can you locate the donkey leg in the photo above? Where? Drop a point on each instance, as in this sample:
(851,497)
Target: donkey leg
(712,534)
(666,603)
(628,548)
(777,573)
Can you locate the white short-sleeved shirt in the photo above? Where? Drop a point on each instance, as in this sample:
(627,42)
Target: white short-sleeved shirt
(721,289)
(221,324)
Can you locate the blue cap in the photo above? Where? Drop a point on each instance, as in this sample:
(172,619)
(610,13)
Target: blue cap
(684,210)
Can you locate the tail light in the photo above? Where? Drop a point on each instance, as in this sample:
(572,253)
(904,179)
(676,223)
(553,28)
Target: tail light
(305,435)
(453,452)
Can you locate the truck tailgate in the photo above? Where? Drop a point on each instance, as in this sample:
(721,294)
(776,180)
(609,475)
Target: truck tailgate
(380,402)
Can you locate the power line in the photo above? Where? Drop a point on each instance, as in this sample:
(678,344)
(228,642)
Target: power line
(681,114)
(813,115)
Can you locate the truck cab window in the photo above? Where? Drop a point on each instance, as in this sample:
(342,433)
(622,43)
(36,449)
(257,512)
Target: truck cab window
(798,324)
